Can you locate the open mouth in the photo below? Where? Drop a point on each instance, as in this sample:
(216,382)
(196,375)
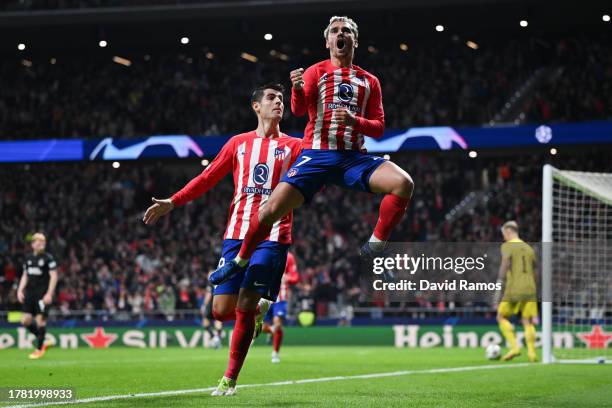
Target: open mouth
(340,43)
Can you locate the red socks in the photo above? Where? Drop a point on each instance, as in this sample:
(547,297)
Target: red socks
(277,339)
(226,317)
(392,210)
(256,233)
(241,340)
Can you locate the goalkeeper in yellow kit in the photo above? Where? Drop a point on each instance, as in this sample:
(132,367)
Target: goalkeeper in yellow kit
(517,273)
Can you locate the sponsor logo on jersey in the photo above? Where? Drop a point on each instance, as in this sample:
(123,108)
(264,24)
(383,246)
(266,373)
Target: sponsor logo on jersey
(333,105)
(345,92)
(257,190)
(34,270)
(261,172)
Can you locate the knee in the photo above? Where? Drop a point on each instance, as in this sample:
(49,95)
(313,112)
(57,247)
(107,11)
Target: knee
(405,186)
(223,312)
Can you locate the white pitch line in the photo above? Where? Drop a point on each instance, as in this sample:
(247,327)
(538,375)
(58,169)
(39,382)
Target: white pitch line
(273,384)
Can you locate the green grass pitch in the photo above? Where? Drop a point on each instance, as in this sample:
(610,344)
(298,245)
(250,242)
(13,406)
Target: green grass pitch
(126,371)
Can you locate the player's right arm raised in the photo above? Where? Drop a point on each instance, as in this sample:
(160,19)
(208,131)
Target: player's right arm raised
(301,81)
(200,184)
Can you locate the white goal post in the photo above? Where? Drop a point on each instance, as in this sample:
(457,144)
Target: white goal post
(576,266)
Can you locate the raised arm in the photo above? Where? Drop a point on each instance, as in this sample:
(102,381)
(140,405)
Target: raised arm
(302,84)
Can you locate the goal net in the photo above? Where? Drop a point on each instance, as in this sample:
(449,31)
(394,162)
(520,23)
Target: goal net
(576,266)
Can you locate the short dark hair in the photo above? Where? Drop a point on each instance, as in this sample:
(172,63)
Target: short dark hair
(258,92)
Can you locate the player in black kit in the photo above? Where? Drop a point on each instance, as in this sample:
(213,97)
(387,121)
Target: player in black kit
(36,289)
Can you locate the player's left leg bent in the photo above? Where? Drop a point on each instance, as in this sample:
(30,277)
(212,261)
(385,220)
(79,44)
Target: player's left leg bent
(397,185)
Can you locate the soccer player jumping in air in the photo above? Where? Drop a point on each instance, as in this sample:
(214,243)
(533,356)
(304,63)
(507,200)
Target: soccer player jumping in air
(344,103)
(259,159)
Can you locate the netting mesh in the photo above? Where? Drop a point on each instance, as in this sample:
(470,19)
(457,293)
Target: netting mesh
(582,265)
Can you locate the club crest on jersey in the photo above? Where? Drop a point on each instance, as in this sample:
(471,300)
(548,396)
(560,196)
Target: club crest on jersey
(261,173)
(292,172)
(41,262)
(279,154)
(345,92)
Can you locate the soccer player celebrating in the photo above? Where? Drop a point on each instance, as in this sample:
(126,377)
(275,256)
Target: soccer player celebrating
(259,159)
(278,310)
(35,292)
(344,103)
(517,275)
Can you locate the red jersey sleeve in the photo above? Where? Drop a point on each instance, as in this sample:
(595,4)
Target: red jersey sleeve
(291,273)
(373,124)
(218,168)
(299,98)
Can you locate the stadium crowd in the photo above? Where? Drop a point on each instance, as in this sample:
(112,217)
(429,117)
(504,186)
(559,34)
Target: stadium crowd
(111,262)
(205,92)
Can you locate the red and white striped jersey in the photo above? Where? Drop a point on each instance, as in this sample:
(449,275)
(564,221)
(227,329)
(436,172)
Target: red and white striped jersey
(258,164)
(327,88)
(290,277)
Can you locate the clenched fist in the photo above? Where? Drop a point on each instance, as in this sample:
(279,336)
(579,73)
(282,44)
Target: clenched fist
(345,117)
(297,78)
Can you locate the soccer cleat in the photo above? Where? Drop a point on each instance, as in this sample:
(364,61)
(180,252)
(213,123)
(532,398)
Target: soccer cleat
(369,254)
(275,358)
(533,357)
(227,386)
(225,272)
(37,354)
(264,306)
(511,354)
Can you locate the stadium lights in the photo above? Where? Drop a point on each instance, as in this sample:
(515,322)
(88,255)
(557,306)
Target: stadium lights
(606,18)
(524,23)
(184,40)
(439,28)
(116,165)
(404,47)
(102,43)
(122,61)
(205,162)
(21,46)
(268,36)
(248,57)
(472,45)
(553,151)
(473,154)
